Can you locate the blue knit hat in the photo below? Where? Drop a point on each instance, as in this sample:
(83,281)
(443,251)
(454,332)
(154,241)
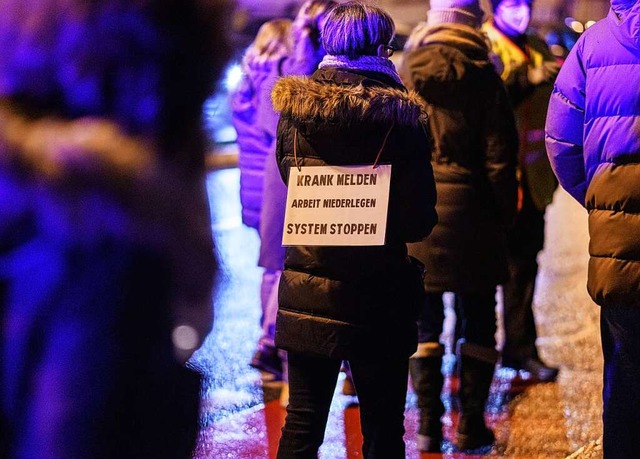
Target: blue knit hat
(467,12)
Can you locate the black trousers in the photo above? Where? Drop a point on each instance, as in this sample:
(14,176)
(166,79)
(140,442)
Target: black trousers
(475,318)
(620,332)
(525,239)
(382,390)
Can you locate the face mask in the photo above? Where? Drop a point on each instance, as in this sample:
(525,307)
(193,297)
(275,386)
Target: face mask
(513,16)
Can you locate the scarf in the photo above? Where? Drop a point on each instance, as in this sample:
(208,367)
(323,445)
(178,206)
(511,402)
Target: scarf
(363,63)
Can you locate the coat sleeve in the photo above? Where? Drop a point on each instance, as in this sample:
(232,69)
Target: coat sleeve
(243,104)
(284,143)
(412,202)
(501,153)
(565,123)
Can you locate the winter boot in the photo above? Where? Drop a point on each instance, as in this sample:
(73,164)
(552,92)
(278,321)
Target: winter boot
(425,367)
(268,361)
(477,364)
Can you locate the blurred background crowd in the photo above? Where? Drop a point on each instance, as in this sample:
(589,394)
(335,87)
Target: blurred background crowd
(559,22)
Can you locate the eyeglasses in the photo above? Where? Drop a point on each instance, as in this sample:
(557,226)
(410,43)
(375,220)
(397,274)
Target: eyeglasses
(389,50)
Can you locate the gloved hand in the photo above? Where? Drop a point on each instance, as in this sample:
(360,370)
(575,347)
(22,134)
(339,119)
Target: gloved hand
(543,73)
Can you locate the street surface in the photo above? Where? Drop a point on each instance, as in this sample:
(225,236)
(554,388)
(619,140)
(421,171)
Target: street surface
(241,419)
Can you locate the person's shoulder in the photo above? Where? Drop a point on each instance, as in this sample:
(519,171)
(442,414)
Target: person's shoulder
(427,52)
(598,34)
(493,35)
(596,45)
(436,55)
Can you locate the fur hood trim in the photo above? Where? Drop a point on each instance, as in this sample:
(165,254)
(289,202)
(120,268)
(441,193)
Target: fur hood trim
(79,162)
(306,99)
(71,151)
(86,181)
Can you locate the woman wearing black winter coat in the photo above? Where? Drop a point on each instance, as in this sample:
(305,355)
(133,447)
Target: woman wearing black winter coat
(353,303)
(474,160)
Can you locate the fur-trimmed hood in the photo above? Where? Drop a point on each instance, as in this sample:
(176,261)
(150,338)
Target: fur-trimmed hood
(98,180)
(63,151)
(354,100)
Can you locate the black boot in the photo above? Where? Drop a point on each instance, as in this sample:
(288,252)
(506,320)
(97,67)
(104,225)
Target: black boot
(477,365)
(427,380)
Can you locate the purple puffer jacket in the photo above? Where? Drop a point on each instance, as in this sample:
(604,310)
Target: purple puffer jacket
(255,123)
(593,142)
(274,197)
(594,111)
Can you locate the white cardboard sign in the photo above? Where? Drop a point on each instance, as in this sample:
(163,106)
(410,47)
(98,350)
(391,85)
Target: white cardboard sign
(337,205)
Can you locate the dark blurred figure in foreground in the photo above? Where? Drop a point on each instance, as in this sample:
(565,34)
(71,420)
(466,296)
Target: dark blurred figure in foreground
(528,72)
(593,141)
(106,260)
(474,162)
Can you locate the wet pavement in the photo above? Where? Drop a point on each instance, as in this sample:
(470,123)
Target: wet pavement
(241,418)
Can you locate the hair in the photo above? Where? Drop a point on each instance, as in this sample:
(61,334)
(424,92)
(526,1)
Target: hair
(308,21)
(305,37)
(271,42)
(354,29)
